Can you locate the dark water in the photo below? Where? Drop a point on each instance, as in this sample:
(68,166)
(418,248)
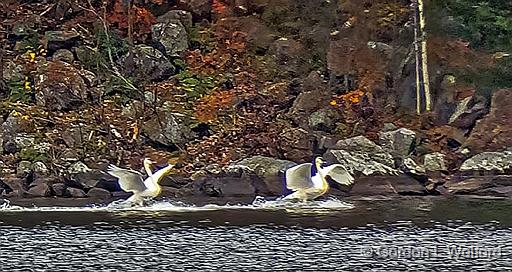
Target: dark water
(373,235)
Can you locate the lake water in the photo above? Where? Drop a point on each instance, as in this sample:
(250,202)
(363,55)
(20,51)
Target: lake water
(435,234)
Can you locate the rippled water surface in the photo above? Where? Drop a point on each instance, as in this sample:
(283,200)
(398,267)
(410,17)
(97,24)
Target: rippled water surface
(331,235)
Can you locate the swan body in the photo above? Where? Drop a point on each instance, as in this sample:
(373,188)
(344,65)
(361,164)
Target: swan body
(309,181)
(132,181)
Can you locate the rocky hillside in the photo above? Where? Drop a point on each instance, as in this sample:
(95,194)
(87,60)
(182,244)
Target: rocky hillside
(235,91)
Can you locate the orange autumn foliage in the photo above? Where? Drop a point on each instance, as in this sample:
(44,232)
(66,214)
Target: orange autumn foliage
(141,19)
(208,107)
(218,7)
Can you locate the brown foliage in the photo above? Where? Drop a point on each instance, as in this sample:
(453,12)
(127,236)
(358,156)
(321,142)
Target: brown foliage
(139,19)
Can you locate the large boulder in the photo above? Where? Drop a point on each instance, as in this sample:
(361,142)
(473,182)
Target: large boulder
(169,128)
(485,185)
(296,144)
(59,86)
(494,131)
(468,110)
(172,35)
(434,162)
(488,163)
(385,185)
(40,190)
(61,39)
(271,171)
(80,175)
(146,64)
(362,156)
(398,142)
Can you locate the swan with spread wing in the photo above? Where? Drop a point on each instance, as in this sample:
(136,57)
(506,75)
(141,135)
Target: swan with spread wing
(309,181)
(132,181)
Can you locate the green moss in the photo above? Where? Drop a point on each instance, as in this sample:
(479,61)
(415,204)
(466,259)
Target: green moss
(195,85)
(31,154)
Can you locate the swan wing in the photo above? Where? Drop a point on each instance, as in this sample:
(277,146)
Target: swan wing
(299,177)
(129,180)
(338,173)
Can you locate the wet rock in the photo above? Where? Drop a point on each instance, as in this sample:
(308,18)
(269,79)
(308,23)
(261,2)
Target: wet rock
(17,186)
(24,169)
(99,193)
(59,189)
(63,55)
(398,142)
(200,8)
(184,17)
(381,185)
(172,35)
(225,186)
(362,156)
(488,162)
(60,86)
(271,171)
(39,190)
(61,39)
(494,131)
(145,63)
(323,120)
(501,191)
(169,128)
(296,144)
(435,162)
(94,178)
(75,192)
(477,185)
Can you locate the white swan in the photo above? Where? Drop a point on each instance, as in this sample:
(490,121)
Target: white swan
(309,181)
(132,181)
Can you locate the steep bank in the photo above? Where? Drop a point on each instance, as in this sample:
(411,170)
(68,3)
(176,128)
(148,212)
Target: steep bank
(213,85)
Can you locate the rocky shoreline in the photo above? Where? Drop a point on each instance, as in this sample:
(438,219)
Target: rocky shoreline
(387,169)
(235,92)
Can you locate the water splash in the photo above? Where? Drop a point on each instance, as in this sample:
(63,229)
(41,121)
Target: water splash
(259,203)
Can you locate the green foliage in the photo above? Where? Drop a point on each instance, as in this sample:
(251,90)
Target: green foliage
(31,154)
(17,92)
(201,38)
(486,24)
(488,80)
(195,85)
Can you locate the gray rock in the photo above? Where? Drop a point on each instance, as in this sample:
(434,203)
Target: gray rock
(78,167)
(467,112)
(382,185)
(498,162)
(24,168)
(40,168)
(271,171)
(169,128)
(411,167)
(63,55)
(362,156)
(12,72)
(99,193)
(434,162)
(60,86)
(172,35)
(59,189)
(389,127)
(75,192)
(323,120)
(95,178)
(398,142)
(61,39)
(17,186)
(183,16)
(145,63)
(383,48)
(296,144)
(40,190)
